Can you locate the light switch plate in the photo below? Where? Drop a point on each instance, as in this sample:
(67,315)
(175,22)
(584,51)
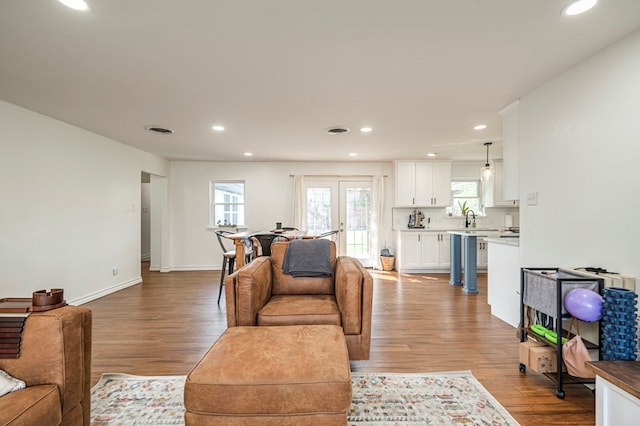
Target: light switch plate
(532,199)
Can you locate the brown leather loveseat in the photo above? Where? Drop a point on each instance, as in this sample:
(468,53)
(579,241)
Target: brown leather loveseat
(55,363)
(260,294)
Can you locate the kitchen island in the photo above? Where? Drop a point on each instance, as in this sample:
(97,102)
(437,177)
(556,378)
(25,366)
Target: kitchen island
(503,279)
(470,282)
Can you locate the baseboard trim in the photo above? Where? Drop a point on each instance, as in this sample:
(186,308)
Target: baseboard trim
(104,292)
(196,268)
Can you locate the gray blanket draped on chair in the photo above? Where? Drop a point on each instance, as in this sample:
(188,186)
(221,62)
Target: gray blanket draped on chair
(308,258)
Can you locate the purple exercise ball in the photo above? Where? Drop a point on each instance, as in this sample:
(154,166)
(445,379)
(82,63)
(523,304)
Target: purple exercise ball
(586,305)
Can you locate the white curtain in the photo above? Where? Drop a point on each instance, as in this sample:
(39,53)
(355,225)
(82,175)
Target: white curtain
(375,225)
(299,215)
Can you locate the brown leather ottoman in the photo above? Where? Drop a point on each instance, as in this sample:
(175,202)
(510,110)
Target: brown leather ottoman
(284,375)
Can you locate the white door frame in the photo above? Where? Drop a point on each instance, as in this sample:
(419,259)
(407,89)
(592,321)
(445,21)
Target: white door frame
(338,188)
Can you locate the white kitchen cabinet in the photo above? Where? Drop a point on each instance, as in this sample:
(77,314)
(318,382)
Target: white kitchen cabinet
(429,250)
(423,184)
(410,255)
(423,251)
(444,248)
(482,257)
(494,188)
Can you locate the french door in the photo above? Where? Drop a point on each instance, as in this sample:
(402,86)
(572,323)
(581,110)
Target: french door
(343,205)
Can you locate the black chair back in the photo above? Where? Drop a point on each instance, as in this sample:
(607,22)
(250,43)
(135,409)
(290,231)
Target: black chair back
(264,242)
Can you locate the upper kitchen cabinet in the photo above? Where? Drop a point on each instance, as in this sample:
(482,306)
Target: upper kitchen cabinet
(494,188)
(423,183)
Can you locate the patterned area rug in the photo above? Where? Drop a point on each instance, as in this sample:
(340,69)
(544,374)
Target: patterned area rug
(452,398)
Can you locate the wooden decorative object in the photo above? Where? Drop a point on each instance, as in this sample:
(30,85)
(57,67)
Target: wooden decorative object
(14,312)
(45,301)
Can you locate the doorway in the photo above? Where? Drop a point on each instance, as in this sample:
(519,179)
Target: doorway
(343,205)
(145,218)
(154,224)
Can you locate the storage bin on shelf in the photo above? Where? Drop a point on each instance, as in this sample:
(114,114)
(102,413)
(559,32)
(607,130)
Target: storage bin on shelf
(540,289)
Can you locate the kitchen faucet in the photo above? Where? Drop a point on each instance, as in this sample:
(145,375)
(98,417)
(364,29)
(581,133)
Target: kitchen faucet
(466,218)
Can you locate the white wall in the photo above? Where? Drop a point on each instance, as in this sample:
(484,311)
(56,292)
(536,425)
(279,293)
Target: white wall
(70,199)
(268,189)
(580,151)
(69,207)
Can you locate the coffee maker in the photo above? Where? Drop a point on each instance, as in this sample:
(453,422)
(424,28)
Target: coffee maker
(415,219)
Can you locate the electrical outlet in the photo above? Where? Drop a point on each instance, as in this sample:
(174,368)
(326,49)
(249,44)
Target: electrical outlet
(115,271)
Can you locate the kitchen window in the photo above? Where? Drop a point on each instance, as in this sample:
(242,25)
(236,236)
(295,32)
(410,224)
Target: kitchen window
(227,203)
(466,191)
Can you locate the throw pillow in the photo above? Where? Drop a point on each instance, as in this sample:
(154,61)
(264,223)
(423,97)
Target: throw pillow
(9,383)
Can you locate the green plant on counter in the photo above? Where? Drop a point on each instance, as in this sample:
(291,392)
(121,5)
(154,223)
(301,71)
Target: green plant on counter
(463,208)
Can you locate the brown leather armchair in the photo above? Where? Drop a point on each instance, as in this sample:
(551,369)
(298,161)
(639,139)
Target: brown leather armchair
(55,363)
(260,294)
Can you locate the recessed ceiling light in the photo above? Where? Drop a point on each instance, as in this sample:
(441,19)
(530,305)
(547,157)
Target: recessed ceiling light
(480,127)
(353,154)
(248,154)
(577,7)
(76,4)
(365,129)
(431,154)
(337,130)
(218,128)
(158,129)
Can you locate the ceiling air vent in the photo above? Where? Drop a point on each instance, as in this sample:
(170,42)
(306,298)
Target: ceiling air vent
(157,129)
(337,130)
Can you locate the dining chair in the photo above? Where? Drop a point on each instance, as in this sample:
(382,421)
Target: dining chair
(262,243)
(228,258)
(329,234)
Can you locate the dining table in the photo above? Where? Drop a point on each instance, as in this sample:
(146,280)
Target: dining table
(240,237)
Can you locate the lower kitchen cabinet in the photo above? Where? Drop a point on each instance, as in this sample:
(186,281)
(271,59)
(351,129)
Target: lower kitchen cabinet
(482,256)
(423,251)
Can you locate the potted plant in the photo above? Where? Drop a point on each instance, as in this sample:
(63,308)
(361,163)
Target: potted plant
(464,208)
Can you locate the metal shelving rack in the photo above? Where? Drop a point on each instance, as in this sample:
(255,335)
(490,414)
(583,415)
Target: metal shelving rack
(547,296)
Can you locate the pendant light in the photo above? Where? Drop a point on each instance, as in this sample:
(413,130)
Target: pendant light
(487,171)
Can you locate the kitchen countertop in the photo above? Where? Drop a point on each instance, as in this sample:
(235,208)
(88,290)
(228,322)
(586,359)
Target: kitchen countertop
(475,232)
(508,241)
(492,235)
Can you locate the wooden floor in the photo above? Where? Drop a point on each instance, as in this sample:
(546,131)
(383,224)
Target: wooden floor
(420,324)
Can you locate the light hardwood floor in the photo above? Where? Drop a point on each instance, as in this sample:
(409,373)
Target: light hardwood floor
(420,324)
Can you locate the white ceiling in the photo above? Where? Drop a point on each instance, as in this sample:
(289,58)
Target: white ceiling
(276,73)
